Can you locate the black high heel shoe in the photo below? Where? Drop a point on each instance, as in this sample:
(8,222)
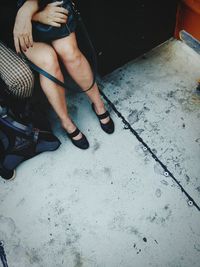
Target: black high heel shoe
(80,143)
(108,127)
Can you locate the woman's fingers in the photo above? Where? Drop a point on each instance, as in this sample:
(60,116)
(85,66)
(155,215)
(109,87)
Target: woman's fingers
(17,46)
(57,3)
(60,20)
(22,33)
(31,40)
(61,10)
(61,16)
(57,7)
(26,41)
(55,24)
(22,43)
(53,14)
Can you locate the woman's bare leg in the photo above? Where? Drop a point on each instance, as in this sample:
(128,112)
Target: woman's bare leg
(44,56)
(79,69)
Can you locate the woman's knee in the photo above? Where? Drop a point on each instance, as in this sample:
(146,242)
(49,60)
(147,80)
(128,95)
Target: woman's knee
(69,53)
(72,56)
(49,61)
(44,56)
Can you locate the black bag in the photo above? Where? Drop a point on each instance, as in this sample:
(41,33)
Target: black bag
(20,142)
(46,33)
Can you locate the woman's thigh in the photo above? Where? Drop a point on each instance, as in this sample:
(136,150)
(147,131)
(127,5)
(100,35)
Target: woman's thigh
(43,55)
(66,46)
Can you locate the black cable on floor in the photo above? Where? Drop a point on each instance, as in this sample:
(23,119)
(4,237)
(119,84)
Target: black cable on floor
(191,201)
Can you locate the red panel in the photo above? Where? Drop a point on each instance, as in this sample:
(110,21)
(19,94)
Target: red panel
(188,18)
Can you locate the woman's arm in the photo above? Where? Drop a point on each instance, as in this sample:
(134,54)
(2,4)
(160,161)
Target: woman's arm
(53,14)
(23,27)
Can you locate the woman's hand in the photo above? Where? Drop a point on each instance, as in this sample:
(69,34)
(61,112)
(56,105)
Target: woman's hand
(53,14)
(23,27)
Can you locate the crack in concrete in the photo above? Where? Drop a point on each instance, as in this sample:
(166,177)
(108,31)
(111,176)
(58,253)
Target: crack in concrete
(191,201)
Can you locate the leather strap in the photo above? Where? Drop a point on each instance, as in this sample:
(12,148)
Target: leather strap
(27,131)
(103,116)
(19,127)
(74,134)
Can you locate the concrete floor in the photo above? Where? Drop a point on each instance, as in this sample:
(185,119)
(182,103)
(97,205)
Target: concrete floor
(111,205)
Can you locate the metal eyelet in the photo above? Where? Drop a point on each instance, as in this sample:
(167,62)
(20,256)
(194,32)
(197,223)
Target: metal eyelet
(190,203)
(144,148)
(166,174)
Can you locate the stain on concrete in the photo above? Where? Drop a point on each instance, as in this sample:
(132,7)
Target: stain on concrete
(133,230)
(147,159)
(51,242)
(21,202)
(171,94)
(198,189)
(166,207)
(138,250)
(42,169)
(154,151)
(161,218)
(96,145)
(8,228)
(72,109)
(83,172)
(118,224)
(133,117)
(139,131)
(116,102)
(197,140)
(78,261)
(152,218)
(107,171)
(72,238)
(187,178)
(58,208)
(158,193)
(158,169)
(164,182)
(33,256)
(197,247)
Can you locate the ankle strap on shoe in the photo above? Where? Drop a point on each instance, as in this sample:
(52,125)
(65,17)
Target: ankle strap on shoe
(104,115)
(74,134)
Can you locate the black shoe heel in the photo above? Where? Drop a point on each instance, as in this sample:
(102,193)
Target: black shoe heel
(80,143)
(7,174)
(108,127)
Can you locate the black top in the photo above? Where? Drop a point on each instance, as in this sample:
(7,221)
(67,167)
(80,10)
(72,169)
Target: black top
(8,10)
